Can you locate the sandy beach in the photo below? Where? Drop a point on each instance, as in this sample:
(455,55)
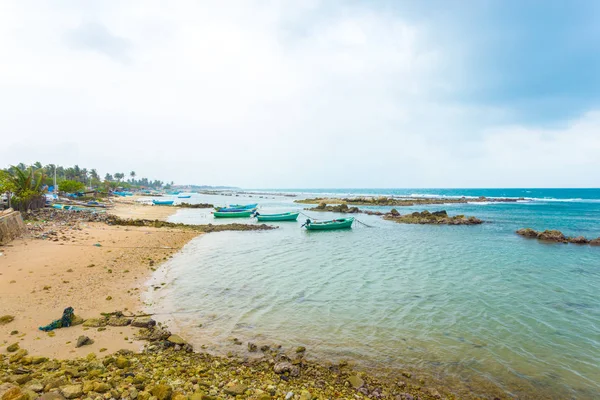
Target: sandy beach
(93,268)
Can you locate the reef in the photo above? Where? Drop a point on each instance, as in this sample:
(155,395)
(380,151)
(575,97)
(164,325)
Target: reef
(404,201)
(556,237)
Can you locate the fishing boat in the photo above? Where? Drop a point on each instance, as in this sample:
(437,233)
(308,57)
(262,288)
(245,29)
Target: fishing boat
(244,207)
(340,223)
(187,196)
(233,209)
(289,216)
(233,214)
(162,202)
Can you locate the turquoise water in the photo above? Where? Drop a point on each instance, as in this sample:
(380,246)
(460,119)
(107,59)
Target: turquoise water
(476,307)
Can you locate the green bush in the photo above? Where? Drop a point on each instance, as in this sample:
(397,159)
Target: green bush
(69,186)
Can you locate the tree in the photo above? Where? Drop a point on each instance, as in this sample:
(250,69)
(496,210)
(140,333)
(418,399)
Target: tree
(26,186)
(69,186)
(132,175)
(108,177)
(6,183)
(119,176)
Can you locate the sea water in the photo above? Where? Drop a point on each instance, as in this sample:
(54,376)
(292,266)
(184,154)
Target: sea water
(477,308)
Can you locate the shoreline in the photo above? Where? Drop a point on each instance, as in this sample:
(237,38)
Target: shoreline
(90,266)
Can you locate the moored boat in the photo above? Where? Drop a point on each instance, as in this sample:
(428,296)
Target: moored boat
(244,206)
(187,196)
(162,202)
(340,223)
(234,209)
(289,216)
(233,214)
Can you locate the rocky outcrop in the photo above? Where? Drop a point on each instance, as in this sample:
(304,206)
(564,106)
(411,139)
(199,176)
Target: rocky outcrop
(404,201)
(341,208)
(431,218)
(556,236)
(199,205)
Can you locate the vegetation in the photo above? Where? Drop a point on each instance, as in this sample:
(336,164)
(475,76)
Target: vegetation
(24,187)
(69,186)
(90,178)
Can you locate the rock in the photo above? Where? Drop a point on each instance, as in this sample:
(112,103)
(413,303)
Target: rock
(83,341)
(406,374)
(77,320)
(101,387)
(18,355)
(13,347)
(235,388)
(143,322)
(579,240)
(595,242)
(122,362)
(405,396)
(356,381)
(54,383)
(394,212)
(20,378)
(282,367)
(162,392)
(118,321)
(434,393)
(176,339)
(264,348)
(87,387)
(35,386)
(4,387)
(252,347)
(95,322)
(5,319)
(153,334)
(51,396)
(289,395)
(552,236)
(15,393)
(305,395)
(71,391)
(38,359)
(300,349)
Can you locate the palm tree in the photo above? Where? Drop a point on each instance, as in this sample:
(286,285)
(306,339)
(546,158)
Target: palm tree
(27,186)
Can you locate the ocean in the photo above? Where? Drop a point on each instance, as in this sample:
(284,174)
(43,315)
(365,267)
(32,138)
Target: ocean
(477,309)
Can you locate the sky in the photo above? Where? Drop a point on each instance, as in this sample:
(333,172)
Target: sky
(276,94)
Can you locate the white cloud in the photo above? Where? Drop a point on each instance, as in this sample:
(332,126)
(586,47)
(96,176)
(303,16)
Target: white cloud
(247,93)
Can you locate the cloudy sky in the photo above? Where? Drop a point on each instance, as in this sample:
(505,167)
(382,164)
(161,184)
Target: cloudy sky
(259,94)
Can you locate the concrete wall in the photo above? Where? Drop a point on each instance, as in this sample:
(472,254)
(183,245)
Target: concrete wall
(11,226)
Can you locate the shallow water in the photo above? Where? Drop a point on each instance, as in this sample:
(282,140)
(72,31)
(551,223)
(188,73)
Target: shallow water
(472,304)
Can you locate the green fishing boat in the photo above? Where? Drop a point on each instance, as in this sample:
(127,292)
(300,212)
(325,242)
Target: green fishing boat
(340,223)
(233,214)
(289,216)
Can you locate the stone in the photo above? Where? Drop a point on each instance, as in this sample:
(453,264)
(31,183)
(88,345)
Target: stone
(289,395)
(17,356)
(143,322)
(118,321)
(38,359)
(300,349)
(4,387)
(162,392)
(394,212)
(5,319)
(579,240)
(252,347)
(95,322)
(101,387)
(176,339)
(595,242)
(13,347)
(83,341)
(51,396)
(15,393)
(122,362)
(87,387)
(35,386)
(356,381)
(71,391)
(235,388)
(282,367)
(77,320)
(305,395)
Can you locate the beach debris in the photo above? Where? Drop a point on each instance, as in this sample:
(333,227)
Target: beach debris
(63,322)
(5,319)
(83,341)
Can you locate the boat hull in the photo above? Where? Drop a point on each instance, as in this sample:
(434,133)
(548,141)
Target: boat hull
(342,223)
(162,203)
(278,217)
(232,214)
